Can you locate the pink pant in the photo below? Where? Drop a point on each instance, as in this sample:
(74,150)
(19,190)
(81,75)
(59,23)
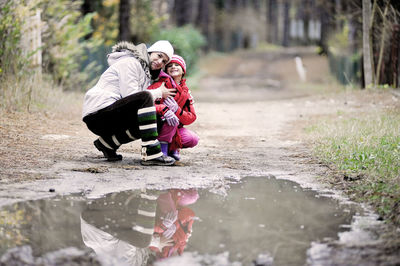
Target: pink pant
(189,138)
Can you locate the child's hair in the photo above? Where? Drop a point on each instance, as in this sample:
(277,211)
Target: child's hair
(180,61)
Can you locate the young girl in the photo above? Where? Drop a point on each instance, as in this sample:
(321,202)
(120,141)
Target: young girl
(175,112)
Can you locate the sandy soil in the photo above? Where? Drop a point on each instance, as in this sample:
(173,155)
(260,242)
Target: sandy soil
(251,109)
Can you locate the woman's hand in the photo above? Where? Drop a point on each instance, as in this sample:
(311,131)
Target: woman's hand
(167,92)
(160,242)
(171,104)
(165,242)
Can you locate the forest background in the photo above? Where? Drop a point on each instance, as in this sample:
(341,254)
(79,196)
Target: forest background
(64,41)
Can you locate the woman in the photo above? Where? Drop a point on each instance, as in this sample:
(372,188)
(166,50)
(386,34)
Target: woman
(119,109)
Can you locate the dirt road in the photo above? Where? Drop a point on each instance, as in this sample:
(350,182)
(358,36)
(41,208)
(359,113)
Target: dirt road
(251,109)
(246,117)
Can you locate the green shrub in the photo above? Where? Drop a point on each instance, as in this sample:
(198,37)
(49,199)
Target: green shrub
(144,20)
(16,81)
(11,57)
(64,47)
(63,50)
(186,41)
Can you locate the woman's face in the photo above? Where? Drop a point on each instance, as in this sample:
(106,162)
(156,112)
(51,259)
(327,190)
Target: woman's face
(158,60)
(174,70)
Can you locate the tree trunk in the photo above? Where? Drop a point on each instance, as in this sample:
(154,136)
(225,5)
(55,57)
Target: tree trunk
(395,53)
(326,12)
(203,18)
(382,44)
(286,23)
(124,22)
(338,10)
(87,7)
(366,13)
(306,21)
(272,18)
(182,12)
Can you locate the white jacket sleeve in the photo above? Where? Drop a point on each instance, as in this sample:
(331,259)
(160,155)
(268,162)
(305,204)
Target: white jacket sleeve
(133,79)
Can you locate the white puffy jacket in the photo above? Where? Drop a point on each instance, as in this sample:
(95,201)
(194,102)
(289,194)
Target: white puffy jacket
(123,77)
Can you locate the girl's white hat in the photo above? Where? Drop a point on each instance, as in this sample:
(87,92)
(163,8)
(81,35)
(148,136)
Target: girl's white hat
(162,46)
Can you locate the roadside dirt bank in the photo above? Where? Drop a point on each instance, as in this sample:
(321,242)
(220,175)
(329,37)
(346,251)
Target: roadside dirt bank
(251,109)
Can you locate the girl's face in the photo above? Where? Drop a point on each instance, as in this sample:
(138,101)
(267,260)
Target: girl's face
(174,70)
(158,60)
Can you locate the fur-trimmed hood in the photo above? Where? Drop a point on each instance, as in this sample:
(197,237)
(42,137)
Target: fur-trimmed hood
(124,49)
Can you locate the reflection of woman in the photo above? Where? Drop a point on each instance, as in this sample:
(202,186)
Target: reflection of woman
(109,246)
(121,225)
(121,252)
(174,220)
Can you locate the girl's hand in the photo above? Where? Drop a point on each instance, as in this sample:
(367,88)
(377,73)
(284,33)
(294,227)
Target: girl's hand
(172,119)
(167,92)
(171,104)
(170,218)
(170,231)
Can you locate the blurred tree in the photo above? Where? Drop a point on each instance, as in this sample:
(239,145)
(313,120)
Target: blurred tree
(145,20)
(105,22)
(124,20)
(272,20)
(90,6)
(11,55)
(182,12)
(366,14)
(383,37)
(187,42)
(286,22)
(306,14)
(63,41)
(202,20)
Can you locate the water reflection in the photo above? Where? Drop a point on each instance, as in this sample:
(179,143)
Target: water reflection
(45,225)
(268,217)
(275,220)
(136,227)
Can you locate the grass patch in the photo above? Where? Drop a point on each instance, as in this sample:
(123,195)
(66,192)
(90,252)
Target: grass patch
(268,47)
(32,94)
(365,150)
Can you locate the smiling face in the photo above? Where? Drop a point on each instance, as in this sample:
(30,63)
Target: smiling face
(158,60)
(174,70)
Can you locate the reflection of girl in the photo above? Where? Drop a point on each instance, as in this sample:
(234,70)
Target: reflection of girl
(174,220)
(183,231)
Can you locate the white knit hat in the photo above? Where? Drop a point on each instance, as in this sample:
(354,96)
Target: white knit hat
(162,46)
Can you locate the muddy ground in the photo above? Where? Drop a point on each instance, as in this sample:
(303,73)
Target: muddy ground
(252,110)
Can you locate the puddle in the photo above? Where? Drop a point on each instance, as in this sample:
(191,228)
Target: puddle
(266,220)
